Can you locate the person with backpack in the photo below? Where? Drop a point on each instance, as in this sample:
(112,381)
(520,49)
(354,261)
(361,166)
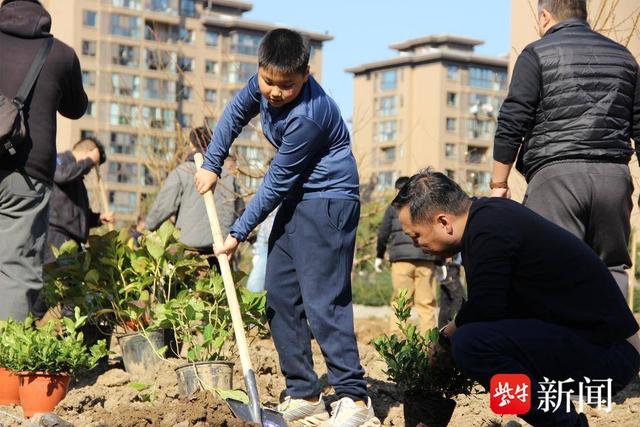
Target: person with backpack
(39,76)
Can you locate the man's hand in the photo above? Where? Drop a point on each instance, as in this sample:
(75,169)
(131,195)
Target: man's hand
(94,155)
(205,181)
(107,218)
(505,193)
(229,247)
(450,329)
(377,265)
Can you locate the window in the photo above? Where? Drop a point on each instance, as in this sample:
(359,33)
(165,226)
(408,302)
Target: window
(186,64)
(122,172)
(249,133)
(240,72)
(450,173)
(210,122)
(185,120)
(452,124)
(210,95)
(89,18)
(452,99)
(487,78)
(128,4)
(166,33)
(155,59)
(126,56)
(162,6)
(386,131)
(478,182)
(184,93)
(479,129)
(388,80)
(387,106)
(123,143)
(188,7)
(211,67)
(125,26)
(480,103)
(122,202)
(87,134)
(90,109)
(245,43)
(123,114)
(385,181)
(450,151)
(476,154)
(388,155)
(158,118)
(88,48)
(251,156)
(164,90)
(452,72)
(125,85)
(89,78)
(211,38)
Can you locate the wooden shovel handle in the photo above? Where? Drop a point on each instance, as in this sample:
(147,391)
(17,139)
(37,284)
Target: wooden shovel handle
(227,278)
(103,196)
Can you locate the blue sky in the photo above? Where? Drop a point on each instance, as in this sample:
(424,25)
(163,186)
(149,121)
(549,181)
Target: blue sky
(363,29)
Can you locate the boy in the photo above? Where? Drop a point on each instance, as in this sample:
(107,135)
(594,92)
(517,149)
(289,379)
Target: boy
(178,196)
(314,176)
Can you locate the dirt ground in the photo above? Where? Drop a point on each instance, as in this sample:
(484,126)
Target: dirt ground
(107,398)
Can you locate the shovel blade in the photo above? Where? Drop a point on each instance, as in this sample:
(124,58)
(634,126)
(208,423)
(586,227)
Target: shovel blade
(270,418)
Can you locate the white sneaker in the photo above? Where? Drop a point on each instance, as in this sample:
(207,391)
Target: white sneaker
(303,412)
(345,413)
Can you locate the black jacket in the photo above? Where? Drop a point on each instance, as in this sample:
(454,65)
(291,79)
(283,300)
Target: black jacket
(23,25)
(519,265)
(70,211)
(401,247)
(574,96)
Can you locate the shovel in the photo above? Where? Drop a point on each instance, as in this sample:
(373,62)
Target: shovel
(253,411)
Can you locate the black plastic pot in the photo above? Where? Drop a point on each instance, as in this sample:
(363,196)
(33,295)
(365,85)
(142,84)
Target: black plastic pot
(204,375)
(139,352)
(430,409)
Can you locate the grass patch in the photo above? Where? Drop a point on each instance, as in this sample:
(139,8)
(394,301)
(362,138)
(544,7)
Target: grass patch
(372,288)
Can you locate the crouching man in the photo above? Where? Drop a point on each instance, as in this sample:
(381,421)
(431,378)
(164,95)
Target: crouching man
(540,301)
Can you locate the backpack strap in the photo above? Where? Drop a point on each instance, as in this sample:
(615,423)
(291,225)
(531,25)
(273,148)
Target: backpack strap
(32,75)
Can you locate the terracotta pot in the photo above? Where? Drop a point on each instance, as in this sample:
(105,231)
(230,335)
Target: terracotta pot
(41,392)
(8,388)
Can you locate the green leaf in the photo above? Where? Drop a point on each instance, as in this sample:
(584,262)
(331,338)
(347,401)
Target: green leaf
(233,394)
(154,246)
(92,276)
(208,332)
(165,232)
(139,386)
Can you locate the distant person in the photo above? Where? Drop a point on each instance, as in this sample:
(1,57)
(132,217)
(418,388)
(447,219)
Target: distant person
(412,270)
(26,177)
(178,197)
(451,290)
(71,216)
(573,108)
(255,283)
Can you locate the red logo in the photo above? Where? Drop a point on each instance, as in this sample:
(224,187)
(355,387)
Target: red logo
(510,394)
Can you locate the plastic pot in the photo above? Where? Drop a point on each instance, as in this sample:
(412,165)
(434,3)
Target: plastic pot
(432,410)
(204,375)
(41,392)
(9,382)
(139,352)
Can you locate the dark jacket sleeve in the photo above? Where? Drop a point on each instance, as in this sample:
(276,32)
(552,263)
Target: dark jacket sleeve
(384,231)
(69,171)
(302,139)
(74,100)
(518,112)
(636,116)
(167,201)
(489,260)
(94,219)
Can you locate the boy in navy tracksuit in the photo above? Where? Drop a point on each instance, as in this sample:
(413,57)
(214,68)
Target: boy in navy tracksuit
(311,246)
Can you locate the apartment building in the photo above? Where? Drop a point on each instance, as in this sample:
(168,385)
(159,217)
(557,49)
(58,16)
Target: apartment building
(153,69)
(433,104)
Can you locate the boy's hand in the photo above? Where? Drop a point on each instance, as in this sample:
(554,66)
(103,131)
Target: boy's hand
(205,181)
(229,247)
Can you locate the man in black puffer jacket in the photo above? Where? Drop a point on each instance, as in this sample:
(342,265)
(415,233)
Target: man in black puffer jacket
(411,268)
(573,108)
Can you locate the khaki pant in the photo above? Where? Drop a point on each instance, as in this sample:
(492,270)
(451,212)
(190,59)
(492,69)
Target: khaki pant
(418,278)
